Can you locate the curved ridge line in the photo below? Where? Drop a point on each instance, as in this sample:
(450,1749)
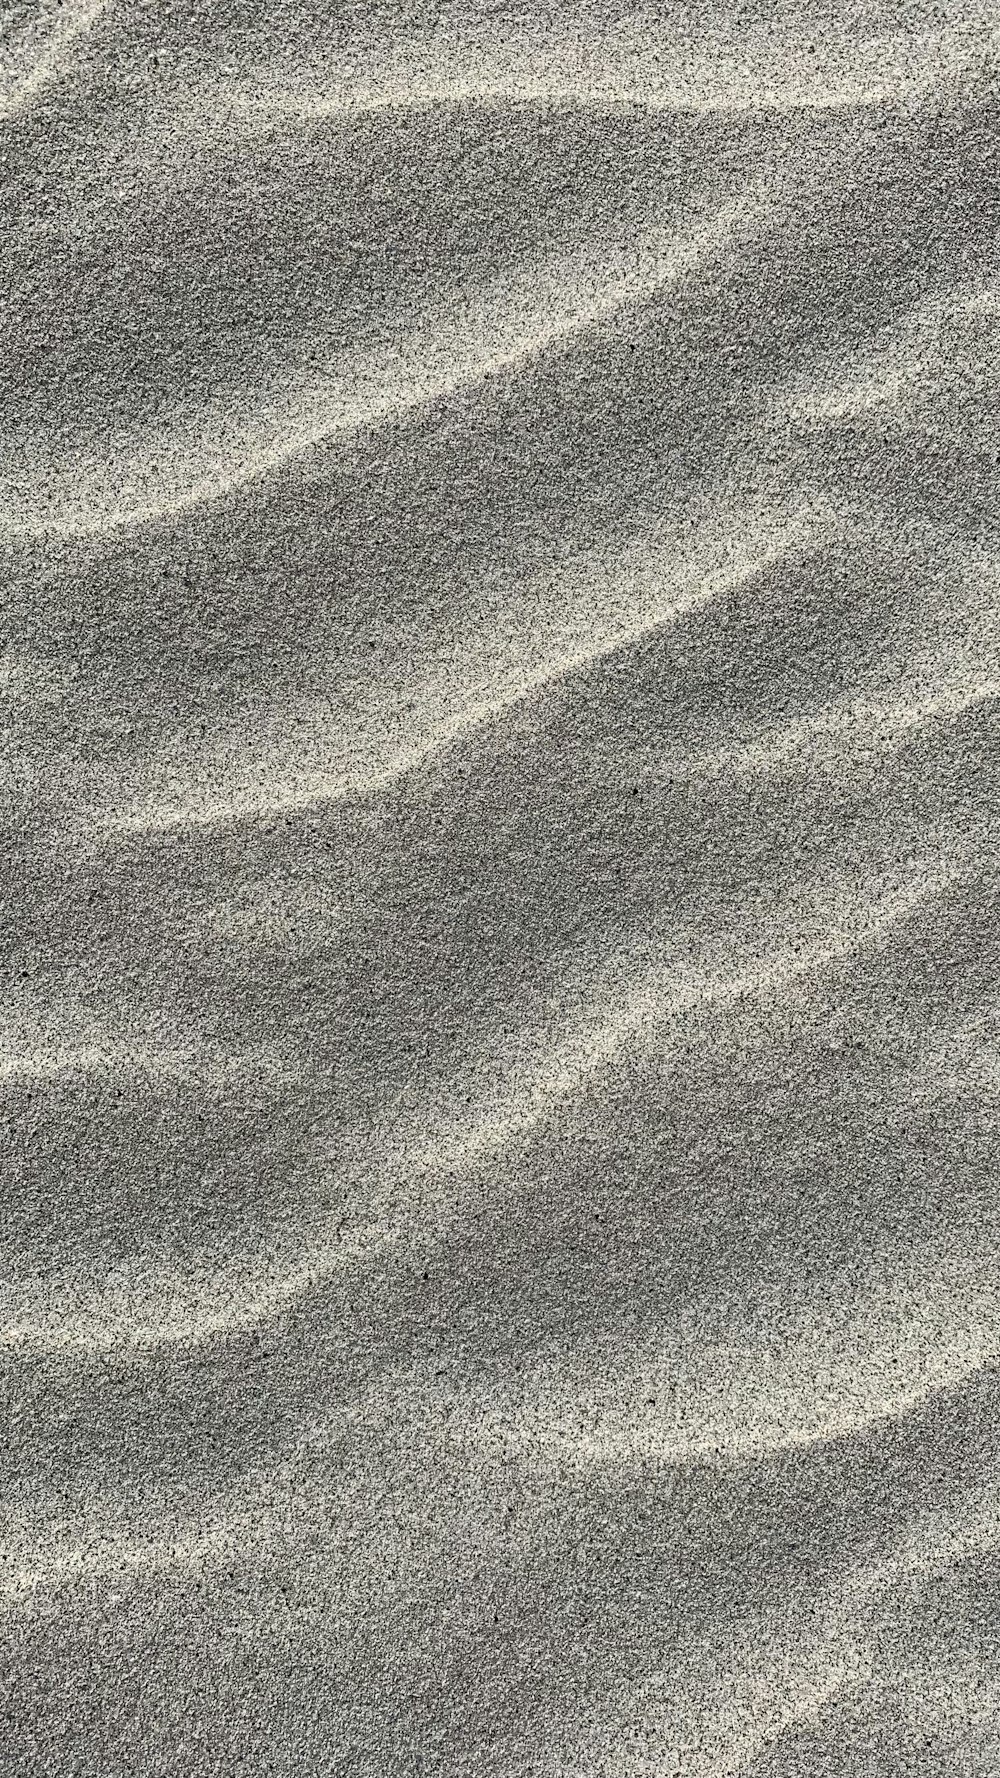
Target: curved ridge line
(248,114)
(755,1707)
(800,531)
(189,1551)
(741,72)
(260,112)
(738,1403)
(562,1070)
(431,374)
(779,745)
(124,1061)
(52,1036)
(716,1446)
(71,26)
(905,366)
(775,748)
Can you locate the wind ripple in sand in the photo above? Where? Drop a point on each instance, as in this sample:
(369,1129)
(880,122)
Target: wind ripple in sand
(500,1029)
(848,1365)
(711,64)
(28,64)
(409,1187)
(778,1683)
(502,327)
(544,636)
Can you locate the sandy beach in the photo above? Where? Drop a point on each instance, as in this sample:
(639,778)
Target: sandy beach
(500,799)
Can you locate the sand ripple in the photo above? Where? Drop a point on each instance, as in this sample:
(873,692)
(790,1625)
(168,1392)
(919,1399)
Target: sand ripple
(501,1029)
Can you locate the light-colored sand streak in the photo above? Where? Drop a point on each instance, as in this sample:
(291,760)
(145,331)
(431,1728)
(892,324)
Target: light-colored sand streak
(501,327)
(633,65)
(53,1038)
(592,609)
(25,72)
(417,1186)
(830,739)
(115,1559)
(118,1060)
(912,374)
(753,1680)
(858,1357)
(776,1678)
(599,610)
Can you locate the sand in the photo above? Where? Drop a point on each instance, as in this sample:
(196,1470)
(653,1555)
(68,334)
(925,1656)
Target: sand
(500,1060)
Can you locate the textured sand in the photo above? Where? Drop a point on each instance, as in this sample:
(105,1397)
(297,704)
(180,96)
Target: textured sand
(501,1048)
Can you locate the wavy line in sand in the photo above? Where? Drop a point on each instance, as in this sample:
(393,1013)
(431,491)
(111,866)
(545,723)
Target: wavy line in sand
(638,66)
(120,1061)
(18,90)
(226,114)
(637,71)
(46,1549)
(778,1677)
(820,740)
(949,343)
(854,1362)
(713,1717)
(419,1190)
(504,326)
(27,1570)
(586,614)
(270,1523)
(58,1040)
(811,932)
(609,612)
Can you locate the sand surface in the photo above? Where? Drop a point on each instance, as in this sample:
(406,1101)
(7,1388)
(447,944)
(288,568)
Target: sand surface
(500,1051)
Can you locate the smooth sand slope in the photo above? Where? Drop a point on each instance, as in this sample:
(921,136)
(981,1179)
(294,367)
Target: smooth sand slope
(500,1053)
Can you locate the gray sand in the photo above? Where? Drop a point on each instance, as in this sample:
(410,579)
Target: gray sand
(500,661)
